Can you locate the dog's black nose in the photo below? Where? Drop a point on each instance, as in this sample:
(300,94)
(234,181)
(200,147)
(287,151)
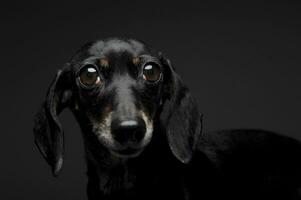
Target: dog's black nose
(128,131)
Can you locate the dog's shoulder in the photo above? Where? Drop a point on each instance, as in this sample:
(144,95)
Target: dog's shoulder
(249,145)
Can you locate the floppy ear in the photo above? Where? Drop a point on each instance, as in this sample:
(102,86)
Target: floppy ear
(179,115)
(48,131)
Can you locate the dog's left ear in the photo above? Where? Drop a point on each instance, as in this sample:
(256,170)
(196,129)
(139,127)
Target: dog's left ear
(179,114)
(48,130)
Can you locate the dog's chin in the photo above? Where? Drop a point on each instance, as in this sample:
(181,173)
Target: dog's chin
(127,153)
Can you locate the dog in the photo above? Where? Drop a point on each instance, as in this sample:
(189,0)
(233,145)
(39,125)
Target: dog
(142,133)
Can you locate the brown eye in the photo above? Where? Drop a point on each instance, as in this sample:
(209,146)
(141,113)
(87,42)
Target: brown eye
(89,76)
(151,72)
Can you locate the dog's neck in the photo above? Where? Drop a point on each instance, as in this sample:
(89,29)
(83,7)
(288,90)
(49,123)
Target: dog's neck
(130,178)
(113,173)
(109,174)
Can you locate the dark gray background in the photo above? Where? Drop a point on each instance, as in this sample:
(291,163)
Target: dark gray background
(240,61)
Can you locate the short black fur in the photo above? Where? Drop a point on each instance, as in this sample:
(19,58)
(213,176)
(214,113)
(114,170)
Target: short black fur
(177,161)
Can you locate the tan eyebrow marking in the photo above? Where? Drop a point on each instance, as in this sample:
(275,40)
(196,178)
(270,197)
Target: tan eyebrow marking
(104,62)
(136,60)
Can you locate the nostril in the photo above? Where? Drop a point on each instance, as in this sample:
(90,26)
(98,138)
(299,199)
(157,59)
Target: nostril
(128,131)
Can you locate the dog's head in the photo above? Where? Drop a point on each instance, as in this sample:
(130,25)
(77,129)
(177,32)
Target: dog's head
(117,89)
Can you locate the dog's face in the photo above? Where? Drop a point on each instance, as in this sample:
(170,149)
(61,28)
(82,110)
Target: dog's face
(119,86)
(117,90)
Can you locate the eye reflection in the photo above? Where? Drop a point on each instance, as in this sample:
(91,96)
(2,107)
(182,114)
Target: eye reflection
(151,72)
(89,76)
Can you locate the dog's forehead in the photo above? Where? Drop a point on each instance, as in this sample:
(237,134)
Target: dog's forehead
(112,52)
(104,48)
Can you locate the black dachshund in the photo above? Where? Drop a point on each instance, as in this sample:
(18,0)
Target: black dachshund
(142,133)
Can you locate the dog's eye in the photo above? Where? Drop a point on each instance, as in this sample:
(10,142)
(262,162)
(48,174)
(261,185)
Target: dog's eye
(89,76)
(151,72)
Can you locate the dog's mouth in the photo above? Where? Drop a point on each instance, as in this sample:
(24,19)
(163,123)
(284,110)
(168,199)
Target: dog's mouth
(128,152)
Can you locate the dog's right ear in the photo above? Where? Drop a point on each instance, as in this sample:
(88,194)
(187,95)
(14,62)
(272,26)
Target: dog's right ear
(48,132)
